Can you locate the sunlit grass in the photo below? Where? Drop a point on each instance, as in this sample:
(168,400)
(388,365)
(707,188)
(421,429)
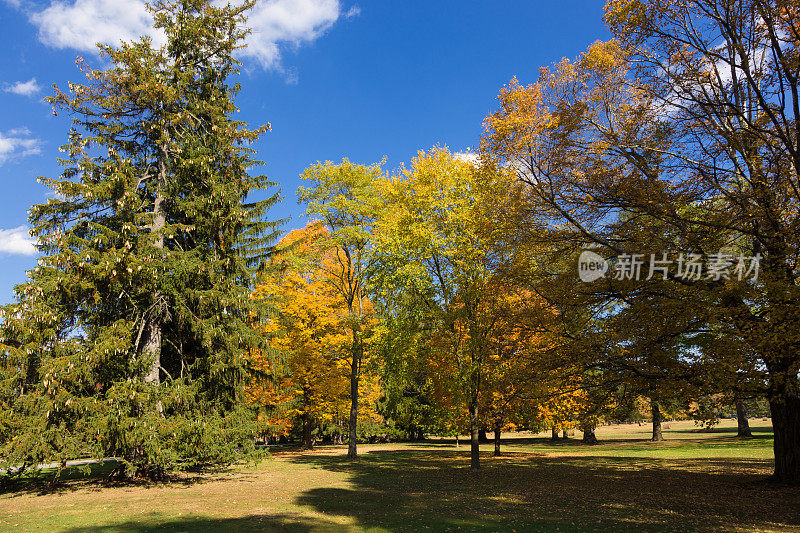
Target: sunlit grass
(692,481)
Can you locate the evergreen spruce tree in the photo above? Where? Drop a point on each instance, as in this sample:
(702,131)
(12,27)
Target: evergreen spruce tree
(131,337)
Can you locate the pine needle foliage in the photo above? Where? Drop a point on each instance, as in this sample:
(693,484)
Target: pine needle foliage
(131,337)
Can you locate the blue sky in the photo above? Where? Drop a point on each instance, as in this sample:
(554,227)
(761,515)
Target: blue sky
(335,78)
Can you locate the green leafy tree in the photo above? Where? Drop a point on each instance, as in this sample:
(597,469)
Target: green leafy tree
(130,338)
(438,278)
(346,197)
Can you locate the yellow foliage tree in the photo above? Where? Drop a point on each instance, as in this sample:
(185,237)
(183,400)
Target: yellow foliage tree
(310,337)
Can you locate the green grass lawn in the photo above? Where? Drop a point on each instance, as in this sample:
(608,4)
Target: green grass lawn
(701,481)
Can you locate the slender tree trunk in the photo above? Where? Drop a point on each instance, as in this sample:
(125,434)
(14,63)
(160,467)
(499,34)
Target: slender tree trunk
(151,341)
(554,433)
(355,369)
(474,450)
(785,411)
(741,420)
(656,415)
(564,434)
(588,433)
(497,427)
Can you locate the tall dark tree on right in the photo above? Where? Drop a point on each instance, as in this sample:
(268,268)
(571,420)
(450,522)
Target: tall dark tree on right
(727,73)
(680,135)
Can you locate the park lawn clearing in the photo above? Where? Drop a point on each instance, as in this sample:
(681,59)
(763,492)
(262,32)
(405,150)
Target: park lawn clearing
(693,481)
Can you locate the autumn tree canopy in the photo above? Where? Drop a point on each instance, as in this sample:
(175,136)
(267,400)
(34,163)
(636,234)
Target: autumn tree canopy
(679,136)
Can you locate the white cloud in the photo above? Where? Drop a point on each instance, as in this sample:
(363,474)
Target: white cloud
(83,23)
(353,11)
(17,142)
(13,3)
(79,24)
(286,21)
(24,88)
(23,131)
(473,158)
(17,241)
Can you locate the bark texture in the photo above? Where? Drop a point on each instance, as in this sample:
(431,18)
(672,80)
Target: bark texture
(741,420)
(657,418)
(588,433)
(152,332)
(474,451)
(355,370)
(786,426)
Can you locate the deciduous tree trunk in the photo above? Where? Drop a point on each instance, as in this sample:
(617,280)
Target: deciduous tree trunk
(741,420)
(474,449)
(554,434)
(497,427)
(564,434)
(785,411)
(656,414)
(308,428)
(355,369)
(588,433)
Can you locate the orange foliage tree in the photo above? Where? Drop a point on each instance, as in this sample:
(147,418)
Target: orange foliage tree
(305,375)
(678,136)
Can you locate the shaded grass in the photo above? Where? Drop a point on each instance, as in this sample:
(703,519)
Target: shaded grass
(527,492)
(692,482)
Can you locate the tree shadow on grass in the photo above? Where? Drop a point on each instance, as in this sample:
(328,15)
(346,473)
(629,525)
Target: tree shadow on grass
(266,523)
(765,432)
(434,490)
(721,438)
(544,442)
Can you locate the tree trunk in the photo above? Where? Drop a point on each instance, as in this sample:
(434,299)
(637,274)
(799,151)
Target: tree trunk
(307,430)
(564,434)
(474,449)
(355,368)
(656,414)
(151,345)
(588,433)
(482,436)
(554,434)
(151,341)
(785,411)
(497,426)
(741,420)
